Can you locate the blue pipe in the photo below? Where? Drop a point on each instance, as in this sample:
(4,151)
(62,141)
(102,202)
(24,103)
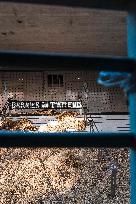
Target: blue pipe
(132,97)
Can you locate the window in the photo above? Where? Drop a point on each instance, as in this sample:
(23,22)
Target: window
(55,80)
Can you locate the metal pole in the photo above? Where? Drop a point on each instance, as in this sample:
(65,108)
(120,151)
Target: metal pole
(132,106)
(39,61)
(132,98)
(97,4)
(66,139)
(113,180)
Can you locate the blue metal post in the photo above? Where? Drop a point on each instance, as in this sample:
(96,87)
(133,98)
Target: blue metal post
(132,98)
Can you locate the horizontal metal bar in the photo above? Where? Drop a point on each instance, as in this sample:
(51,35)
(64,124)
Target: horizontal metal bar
(99,4)
(30,139)
(28,61)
